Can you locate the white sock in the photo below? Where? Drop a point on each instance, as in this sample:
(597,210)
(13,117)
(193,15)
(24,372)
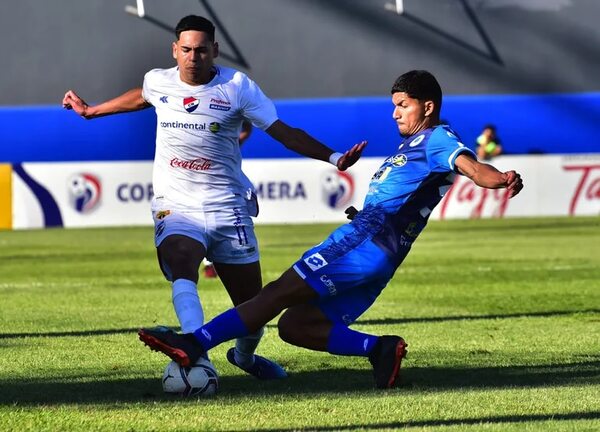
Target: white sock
(187,305)
(245,347)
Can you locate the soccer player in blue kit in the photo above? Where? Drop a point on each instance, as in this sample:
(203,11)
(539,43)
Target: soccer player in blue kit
(338,280)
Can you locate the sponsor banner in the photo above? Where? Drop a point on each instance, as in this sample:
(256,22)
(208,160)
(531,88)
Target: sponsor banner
(82,194)
(553,186)
(87,194)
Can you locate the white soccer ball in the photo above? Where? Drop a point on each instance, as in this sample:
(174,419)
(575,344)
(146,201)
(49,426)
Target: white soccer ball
(200,380)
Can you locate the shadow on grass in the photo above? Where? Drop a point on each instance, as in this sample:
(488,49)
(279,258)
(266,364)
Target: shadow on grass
(379,321)
(109,389)
(592,415)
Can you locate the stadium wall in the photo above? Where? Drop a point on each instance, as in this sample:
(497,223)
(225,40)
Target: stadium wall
(70,172)
(86,194)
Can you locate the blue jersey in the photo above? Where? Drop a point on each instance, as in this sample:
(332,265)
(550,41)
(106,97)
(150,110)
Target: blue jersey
(407,187)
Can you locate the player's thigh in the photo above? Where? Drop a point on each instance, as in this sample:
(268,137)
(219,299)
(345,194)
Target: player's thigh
(180,243)
(242,281)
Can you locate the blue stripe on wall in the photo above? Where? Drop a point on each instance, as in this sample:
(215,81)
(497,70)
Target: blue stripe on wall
(568,123)
(52,215)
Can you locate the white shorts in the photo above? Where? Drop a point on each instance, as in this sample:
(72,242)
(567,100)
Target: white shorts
(227,235)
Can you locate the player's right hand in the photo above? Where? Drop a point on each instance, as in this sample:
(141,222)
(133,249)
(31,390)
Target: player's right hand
(513,183)
(74,102)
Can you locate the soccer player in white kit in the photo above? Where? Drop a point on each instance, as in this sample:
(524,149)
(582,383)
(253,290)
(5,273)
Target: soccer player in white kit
(199,208)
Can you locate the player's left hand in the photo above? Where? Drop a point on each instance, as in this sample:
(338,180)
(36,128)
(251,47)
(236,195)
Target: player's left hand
(351,156)
(513,182)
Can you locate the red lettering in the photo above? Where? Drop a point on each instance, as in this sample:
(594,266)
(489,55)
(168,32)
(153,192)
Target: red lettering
(200,164)
(465,191)
(593,190)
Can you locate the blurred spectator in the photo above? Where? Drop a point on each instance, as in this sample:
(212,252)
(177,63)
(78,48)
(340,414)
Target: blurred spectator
(488,143)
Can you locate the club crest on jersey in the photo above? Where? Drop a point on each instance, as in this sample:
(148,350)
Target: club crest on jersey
(190,104)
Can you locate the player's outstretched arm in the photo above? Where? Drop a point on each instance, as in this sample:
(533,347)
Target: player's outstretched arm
(299,141)
(487,176)
(131,100)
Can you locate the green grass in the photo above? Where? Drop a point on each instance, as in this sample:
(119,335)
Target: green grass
(502,318)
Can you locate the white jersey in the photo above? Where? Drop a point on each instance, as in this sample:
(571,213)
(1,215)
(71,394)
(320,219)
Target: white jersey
(197,163)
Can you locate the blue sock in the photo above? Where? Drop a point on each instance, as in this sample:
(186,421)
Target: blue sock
(221,328)
(344,341)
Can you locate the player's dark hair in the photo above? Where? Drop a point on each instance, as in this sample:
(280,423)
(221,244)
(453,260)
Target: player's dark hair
(197,23)
(421,85)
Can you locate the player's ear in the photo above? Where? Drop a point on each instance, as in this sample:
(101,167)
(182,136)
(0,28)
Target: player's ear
(175,50)
(215,49)
(429,108)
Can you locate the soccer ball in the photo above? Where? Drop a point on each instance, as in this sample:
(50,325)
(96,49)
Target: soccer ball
(199,380)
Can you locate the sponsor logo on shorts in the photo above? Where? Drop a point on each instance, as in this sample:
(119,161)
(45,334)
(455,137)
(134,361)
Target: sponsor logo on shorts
(315,261)
(329,284)
(244,251)
(206,334)
(162,214)
(200,164)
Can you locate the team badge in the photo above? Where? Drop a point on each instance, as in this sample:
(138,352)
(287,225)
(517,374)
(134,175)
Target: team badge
(398,160)
(190,104)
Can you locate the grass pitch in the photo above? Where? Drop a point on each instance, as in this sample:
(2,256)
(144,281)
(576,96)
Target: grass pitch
(502,318)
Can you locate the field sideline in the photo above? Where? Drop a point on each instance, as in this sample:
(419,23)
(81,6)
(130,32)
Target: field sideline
(502,318)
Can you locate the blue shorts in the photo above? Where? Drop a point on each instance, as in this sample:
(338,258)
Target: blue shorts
(348,271)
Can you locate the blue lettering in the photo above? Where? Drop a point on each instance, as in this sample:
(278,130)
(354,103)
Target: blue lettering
(280,190)
(135,192)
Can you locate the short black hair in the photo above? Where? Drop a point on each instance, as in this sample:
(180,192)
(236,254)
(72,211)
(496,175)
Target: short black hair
(195,22)
(421,85)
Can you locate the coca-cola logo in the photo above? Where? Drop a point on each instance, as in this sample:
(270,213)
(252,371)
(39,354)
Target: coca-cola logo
(588,187)
(200,164)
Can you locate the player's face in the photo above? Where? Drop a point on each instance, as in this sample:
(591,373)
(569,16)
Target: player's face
(411,115)
(195,54)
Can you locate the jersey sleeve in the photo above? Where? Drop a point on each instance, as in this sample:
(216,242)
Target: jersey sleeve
(256,106)
(148,93)
(443,149)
